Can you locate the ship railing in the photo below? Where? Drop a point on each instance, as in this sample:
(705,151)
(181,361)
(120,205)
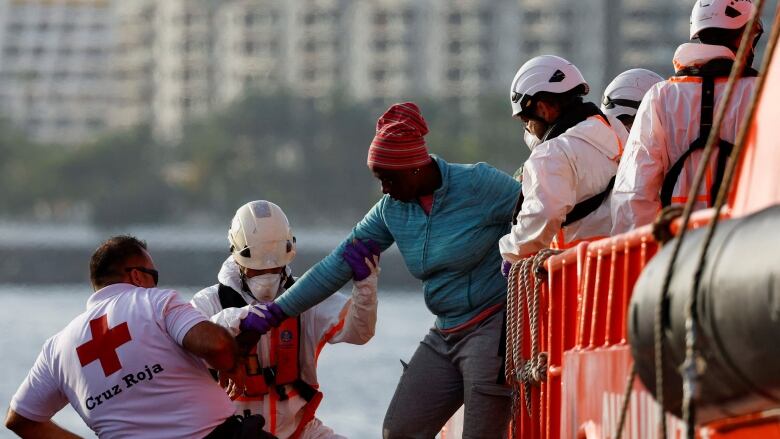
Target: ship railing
(583,309)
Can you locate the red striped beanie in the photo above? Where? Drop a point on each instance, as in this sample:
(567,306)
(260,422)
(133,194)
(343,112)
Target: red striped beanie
(399,143)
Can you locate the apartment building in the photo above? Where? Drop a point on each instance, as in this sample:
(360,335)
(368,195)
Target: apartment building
(649,33)
(133,64)
(209,54)
(301,45)
(70,68)
(54,67)
(455,49)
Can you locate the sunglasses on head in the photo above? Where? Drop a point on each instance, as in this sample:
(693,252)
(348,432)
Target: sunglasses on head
(150,271)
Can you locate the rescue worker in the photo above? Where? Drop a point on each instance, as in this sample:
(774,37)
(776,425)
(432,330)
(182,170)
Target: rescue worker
(281,383)
(575,149)
(664,149)
(624,94)
(130,365)
(446,220)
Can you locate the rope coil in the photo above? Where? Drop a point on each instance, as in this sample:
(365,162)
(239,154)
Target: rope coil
(524,297)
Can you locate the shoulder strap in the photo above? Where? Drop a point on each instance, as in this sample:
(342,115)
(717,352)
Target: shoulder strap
(705,127)
(230,298)
(518,208)
(289,282)
(581,209)
(588,206)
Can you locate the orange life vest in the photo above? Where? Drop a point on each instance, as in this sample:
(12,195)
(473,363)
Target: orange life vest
(283,368)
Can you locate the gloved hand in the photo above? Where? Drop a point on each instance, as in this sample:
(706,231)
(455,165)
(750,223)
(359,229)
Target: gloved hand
(359,254)
(261,318)
(274,313)
(506,266)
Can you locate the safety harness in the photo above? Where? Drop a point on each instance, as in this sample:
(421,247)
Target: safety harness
(572,117)
(709,72)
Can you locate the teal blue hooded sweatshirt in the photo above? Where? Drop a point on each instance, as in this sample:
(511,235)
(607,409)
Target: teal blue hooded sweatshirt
(453,250)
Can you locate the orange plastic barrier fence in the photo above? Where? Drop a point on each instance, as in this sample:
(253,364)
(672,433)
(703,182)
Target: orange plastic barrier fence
(596,367)
(584,302)
(583,329)
(612,267)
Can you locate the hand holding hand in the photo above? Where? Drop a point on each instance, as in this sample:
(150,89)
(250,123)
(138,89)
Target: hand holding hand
(362,256)
(261,318)
(273,313)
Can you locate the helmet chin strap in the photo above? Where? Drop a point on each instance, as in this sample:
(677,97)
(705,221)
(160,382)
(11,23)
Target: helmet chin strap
(539,120)
(548,131)
(244,285)
(285,275)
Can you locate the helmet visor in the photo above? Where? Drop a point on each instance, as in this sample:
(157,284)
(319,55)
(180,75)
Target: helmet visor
(610,103)
(526,105)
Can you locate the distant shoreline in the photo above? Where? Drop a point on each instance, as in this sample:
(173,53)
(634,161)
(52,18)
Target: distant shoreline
(49,255)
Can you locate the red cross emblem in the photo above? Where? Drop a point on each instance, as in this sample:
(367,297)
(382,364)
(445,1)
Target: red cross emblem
(103,345)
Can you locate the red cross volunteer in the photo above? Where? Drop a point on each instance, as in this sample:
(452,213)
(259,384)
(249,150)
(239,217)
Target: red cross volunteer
(132,364)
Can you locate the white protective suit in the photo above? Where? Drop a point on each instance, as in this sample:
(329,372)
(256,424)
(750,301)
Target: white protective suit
(665,126)
(335,320)
(560,173)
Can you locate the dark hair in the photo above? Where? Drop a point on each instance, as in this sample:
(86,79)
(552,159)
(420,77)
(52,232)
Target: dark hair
(722,37)
(563,100)
(107,263)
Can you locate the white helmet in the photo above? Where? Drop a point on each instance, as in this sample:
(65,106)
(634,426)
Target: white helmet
(260,236)
(720,14)
(546,73)
(624,94)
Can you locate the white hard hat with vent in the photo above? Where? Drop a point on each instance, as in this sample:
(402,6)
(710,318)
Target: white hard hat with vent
(720,14)
(624,94)
(546,73)
(260,236)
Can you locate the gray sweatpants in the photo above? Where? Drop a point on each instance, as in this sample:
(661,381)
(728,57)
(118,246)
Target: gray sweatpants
(448,370)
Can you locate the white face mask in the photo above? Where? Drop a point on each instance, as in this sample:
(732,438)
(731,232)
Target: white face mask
(265,286)
(531,140)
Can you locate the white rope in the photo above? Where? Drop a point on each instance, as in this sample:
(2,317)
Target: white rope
(522,297)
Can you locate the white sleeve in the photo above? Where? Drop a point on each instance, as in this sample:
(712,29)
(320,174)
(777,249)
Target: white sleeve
(635,199)
(326,319)
(548,192)
(179,316)
(230,319)
(360,321)
(39,397)
(207,301)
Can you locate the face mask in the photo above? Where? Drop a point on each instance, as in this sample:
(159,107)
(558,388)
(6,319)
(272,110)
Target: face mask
(531,140)
(265,287)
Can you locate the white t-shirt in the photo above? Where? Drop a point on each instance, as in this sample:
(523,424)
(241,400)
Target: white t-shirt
(121,366)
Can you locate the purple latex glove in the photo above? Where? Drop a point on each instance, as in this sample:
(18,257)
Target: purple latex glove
(261,318)
(505,267)
(274,313)
(356,253)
